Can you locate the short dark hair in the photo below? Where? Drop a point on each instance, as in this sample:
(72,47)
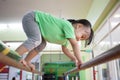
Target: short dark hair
(86,23)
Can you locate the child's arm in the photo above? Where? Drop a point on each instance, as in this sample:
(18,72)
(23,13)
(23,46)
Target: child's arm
(68,53)
(76,49)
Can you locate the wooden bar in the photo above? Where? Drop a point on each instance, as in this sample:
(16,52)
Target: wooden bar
(109,55)
(11,62)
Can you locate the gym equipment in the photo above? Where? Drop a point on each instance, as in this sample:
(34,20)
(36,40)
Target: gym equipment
(11,62)
(11,58)
(55,70)
(8,52)
(109,55)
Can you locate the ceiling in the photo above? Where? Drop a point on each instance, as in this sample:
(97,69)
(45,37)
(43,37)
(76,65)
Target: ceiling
(12,10)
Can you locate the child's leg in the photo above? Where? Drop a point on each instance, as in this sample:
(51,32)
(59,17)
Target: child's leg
(33,53)
(21,49)
(32,31)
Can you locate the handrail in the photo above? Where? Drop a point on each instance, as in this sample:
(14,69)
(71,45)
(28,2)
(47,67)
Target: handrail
(11,62)
(109,55)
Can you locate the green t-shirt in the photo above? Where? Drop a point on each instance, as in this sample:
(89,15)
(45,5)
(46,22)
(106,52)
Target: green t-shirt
(53,29)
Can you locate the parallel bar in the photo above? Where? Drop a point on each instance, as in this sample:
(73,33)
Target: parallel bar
(109,55)
(11,62)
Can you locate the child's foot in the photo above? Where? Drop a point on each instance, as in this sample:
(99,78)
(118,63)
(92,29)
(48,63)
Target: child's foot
(24,62)
(32,67)
(27,64)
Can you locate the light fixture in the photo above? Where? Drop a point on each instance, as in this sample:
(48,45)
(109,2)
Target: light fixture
(117,15)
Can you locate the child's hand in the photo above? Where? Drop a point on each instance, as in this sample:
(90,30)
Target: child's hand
(78,63)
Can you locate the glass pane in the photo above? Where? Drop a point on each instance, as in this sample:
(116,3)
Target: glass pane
(115,36)
(115,18)
(104,30)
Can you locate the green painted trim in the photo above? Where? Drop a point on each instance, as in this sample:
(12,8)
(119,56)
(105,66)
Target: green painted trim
(106,11)
(83,75)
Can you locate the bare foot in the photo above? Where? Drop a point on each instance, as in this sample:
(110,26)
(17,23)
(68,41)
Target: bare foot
(32,67)
(23,62)
(28,64)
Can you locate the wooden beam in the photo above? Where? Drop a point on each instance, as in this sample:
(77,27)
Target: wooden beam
(11,62)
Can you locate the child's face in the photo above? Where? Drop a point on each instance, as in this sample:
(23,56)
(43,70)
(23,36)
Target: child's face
(82,32)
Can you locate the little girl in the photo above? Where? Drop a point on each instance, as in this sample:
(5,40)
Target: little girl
(42,27)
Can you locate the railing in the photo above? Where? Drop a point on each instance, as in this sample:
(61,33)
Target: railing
(109,55)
